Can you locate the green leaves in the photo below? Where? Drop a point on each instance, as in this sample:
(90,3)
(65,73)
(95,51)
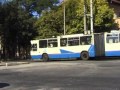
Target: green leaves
(103,17)
(18,25)
(16,28)
(38,5)
(54,20)
(49,24)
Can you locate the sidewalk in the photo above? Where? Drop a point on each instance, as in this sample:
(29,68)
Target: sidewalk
(11,63)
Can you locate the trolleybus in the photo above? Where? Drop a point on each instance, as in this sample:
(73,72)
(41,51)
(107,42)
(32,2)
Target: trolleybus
(76,46)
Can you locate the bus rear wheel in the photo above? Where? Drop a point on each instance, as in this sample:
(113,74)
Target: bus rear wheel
(84,55)
(45,57)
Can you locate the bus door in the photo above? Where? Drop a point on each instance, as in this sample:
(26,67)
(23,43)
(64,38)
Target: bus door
(99,44)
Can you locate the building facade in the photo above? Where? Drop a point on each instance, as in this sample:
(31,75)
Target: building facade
(115,4)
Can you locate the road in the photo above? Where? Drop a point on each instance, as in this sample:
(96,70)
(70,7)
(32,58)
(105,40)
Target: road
(62,75)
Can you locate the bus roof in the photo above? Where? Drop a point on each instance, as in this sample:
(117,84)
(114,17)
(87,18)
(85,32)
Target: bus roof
(62,36)
(72,35)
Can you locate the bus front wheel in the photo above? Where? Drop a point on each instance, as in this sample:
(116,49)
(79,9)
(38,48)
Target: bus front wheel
(84,55)
(45,57)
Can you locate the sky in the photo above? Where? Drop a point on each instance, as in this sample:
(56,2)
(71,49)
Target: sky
(6,0)
(36,14)
(60,0)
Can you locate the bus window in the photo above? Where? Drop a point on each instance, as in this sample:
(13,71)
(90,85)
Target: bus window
(112,38)
(76,41)
(73,41)
(85,40)
(63,42)
(42,43)
(34,47)
(52,43)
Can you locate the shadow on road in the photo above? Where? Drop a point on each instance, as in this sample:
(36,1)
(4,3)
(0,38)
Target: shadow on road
(2,85)
(97,59)
(90,59)
(105,58)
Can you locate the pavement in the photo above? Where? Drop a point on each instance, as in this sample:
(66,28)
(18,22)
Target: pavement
(12,63)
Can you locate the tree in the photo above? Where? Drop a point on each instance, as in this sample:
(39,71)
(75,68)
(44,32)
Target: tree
(17,24)
(74,16)
(52,21)
(50,24)
(38,5)
(103,18)
(17,29)
(103,15)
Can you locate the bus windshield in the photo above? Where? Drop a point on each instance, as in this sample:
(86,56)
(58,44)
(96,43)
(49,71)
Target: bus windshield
(33,47)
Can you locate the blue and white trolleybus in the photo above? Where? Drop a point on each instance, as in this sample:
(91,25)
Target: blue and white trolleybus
(76,46)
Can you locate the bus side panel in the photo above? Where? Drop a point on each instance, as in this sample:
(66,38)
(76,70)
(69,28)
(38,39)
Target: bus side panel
(112,53)
(36,57)
(112,49)
(112,44)
(65,55)
(63,52)
(69,52)
(75,52)
(91,51)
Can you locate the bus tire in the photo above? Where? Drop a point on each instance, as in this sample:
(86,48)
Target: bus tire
(45,57)
(84,55)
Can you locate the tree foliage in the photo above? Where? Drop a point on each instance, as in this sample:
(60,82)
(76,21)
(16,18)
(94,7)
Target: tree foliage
(17,25)
(38,5)
(103,18)
(17,29)
(50,24)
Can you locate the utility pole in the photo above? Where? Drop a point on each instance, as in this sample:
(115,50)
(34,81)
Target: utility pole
(91,16)
(85,18)
(64,18)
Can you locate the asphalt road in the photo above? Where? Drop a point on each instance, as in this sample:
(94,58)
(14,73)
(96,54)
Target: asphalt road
(62,75)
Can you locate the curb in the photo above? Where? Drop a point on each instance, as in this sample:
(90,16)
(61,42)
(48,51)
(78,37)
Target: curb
(12,63)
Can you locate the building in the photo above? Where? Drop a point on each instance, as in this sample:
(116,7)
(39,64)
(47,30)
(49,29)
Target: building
(115,4)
